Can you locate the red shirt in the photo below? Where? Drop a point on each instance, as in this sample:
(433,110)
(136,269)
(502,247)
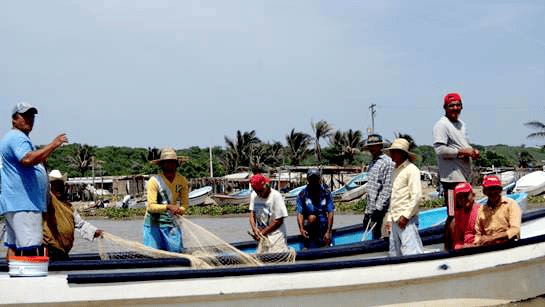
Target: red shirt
(464,226)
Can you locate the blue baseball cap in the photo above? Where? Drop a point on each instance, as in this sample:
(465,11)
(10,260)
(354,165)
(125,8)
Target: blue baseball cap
(23,107)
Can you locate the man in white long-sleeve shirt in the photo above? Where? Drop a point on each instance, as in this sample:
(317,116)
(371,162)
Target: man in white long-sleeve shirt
(454,154)
(402,217)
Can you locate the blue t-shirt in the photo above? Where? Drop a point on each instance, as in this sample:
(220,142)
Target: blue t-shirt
(306,207)
(23,188)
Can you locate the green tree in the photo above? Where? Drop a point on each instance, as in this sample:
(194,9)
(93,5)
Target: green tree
(321,130)
(525,158)
(298,146)
(81,158)
(239,149)
(536,125)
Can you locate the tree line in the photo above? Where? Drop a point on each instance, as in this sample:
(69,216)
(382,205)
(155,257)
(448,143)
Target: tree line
(246,151)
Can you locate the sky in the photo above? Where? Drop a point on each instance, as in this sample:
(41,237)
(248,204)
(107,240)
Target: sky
(187,73)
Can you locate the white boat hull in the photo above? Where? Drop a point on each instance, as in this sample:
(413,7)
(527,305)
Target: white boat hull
(533,183)
(496,277)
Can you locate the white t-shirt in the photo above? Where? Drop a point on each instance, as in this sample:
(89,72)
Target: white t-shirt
(266,210)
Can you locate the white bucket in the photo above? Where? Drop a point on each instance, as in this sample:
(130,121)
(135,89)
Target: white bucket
(28,266)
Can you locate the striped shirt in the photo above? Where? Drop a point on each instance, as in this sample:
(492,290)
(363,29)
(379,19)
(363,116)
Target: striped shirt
(379,184)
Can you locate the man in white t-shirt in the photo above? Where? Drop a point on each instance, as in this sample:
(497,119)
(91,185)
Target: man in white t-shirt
(267,213)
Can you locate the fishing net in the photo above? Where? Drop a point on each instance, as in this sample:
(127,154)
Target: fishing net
(202,248)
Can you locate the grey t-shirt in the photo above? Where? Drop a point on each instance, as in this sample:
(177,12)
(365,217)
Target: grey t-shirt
(448,137)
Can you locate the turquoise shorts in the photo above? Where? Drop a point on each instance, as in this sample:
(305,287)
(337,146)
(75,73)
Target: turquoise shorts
(164,238)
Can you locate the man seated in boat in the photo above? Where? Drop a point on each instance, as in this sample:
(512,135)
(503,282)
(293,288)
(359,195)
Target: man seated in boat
(61,219)
(315,211)
(462,232)
(167,196)
(267,214)
(499,220)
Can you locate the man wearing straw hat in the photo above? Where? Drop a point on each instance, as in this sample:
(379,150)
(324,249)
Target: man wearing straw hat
(454,155)
(402,217)
(379,186)
(24,182)
(61,220)
(167,196)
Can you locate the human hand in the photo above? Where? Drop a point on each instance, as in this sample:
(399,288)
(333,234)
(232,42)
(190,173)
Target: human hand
(327,238)
(98,233)
(173,209)
(389,227)
(59,140)
(304,233)
(402,222)
(476,154)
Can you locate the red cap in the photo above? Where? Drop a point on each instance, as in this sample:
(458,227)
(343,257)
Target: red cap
(258,181)
(450,97)
(491,181)
(462,187)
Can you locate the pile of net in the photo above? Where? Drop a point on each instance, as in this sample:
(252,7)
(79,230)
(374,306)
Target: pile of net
(202,248)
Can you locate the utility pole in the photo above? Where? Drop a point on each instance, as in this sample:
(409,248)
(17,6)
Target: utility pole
(211,167)
(372,111)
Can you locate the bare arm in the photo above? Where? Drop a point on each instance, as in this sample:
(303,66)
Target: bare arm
(40,155)
(272,226)
(301,224)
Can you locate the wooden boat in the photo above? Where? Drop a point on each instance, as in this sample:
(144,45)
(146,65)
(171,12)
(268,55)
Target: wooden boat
(476,276)
(533,183)
(237,198)
(353,189)
(198,196)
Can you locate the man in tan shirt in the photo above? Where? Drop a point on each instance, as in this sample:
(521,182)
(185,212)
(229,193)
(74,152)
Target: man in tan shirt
(402,217)
(499,220)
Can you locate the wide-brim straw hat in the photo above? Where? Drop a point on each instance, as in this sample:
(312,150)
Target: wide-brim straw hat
(403,145)
(57,175)
(169,154)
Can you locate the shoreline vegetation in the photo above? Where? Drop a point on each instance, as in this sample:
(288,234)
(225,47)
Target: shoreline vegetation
(214,210)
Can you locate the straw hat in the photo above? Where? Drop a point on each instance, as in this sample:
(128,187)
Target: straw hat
(169,153)
(57,175)
(373,139)
(403,145)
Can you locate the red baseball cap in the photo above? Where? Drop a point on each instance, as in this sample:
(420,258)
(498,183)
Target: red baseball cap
(450,97)
(258,181)
(491,181)
(462,187)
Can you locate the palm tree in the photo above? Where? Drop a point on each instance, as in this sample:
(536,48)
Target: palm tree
(81,158)
(321,130)
(353,144)
(537,125)
(298,146)
(266,155)
(239,149)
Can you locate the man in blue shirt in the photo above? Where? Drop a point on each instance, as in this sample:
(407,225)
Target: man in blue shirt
(315,211)
(24,183)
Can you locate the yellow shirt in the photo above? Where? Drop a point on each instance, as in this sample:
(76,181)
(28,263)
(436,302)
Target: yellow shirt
(178,188)
(505,217)
(406,192)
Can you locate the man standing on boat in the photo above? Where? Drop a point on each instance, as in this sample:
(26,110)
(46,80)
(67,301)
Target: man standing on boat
(379,186)
(61,220)
(499,220)
(454,155)
(267,213)
(24,182)
(315,211)
(465,216)
(402,217)
(167,196)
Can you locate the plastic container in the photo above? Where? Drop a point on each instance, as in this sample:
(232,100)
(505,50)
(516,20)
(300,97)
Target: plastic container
(28,266)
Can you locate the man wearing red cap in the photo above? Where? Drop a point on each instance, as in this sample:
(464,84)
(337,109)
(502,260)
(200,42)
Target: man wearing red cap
(499,220)
(454,154)
(267,213)
(465,216)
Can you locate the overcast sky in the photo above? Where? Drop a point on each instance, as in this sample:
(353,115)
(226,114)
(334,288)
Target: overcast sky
(183,73)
